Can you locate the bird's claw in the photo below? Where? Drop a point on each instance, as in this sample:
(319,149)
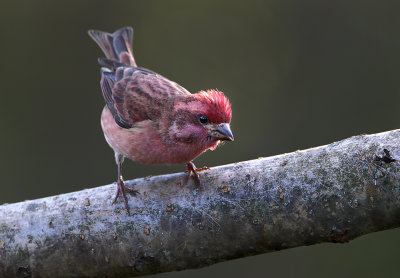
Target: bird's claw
(131,191)
(195,177)
(194,172)
(205,168)
(121,191)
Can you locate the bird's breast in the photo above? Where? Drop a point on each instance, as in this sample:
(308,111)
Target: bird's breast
(143,143)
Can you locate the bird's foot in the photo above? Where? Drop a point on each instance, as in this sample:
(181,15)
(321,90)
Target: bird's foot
(205,168)
(121,189)
(194,172)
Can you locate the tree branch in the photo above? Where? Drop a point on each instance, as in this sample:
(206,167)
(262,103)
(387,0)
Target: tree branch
(331,193)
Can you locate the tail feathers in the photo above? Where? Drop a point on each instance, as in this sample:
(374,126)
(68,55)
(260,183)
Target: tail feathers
(111,64)
(116,46)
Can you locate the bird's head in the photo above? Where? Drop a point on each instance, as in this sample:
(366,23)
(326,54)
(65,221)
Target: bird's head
(215,114)
(204,118)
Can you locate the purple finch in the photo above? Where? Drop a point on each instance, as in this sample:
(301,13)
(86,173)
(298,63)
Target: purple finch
(151,119)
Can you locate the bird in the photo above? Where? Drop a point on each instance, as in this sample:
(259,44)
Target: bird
(150,119)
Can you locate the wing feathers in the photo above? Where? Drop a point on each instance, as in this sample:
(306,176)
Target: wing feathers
(136,94)
(112,98)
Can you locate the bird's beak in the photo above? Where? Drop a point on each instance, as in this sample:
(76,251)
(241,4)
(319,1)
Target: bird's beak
(222,132)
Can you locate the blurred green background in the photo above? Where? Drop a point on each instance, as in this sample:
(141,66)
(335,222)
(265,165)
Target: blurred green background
(299,74)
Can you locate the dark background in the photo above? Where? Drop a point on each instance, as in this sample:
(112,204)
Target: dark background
(299,74)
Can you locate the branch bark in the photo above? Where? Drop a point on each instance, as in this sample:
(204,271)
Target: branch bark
(332,193)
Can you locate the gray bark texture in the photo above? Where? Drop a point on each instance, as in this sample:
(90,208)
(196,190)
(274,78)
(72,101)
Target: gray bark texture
(332,193)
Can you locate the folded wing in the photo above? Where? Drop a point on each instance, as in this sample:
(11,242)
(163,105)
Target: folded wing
(135,94)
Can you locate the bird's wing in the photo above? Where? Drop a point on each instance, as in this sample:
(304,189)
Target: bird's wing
(136,94)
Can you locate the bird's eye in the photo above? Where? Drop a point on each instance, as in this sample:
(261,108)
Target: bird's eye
(203,119)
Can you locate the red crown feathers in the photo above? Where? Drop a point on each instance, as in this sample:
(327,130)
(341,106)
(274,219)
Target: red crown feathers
(219,110)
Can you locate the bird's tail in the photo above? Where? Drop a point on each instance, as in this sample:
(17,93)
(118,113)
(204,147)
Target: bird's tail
(116,46)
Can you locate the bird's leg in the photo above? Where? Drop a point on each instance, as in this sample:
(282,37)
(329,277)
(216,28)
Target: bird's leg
(120,183)
(194,172)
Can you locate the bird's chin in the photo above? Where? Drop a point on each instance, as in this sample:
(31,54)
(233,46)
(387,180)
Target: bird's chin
(215,144)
